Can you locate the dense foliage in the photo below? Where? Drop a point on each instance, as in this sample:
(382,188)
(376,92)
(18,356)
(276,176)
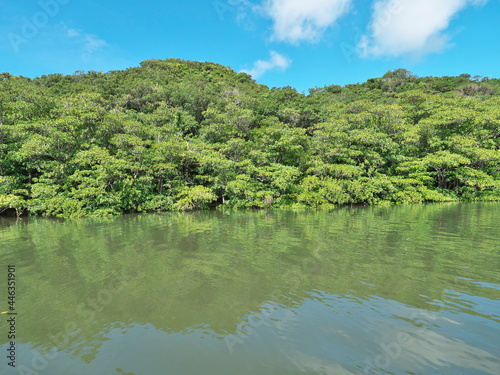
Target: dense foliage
(183,135)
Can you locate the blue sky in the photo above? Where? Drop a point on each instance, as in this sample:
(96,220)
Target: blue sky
(300,43)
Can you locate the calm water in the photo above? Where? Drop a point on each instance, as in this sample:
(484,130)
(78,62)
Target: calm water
(395,290)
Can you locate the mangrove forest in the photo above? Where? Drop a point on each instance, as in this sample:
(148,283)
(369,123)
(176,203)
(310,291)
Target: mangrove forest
(175,135)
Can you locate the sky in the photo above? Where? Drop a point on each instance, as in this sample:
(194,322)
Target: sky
(298,43)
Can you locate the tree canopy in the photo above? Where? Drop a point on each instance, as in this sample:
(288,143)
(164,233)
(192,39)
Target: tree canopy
(185,135)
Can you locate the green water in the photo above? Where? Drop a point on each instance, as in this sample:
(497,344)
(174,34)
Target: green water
(383,290)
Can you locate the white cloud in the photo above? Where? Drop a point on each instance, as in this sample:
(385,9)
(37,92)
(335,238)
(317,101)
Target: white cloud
(93,43)
(90,42)
(295,21)
(413,27)
(73,33)
(277,61)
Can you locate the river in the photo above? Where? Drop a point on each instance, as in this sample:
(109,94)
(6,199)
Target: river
(357,290)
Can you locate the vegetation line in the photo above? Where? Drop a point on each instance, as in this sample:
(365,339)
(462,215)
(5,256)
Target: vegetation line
(184,135)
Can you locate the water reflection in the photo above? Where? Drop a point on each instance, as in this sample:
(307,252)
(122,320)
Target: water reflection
(364,290)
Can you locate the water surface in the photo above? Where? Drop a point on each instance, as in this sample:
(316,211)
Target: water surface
(364,290)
